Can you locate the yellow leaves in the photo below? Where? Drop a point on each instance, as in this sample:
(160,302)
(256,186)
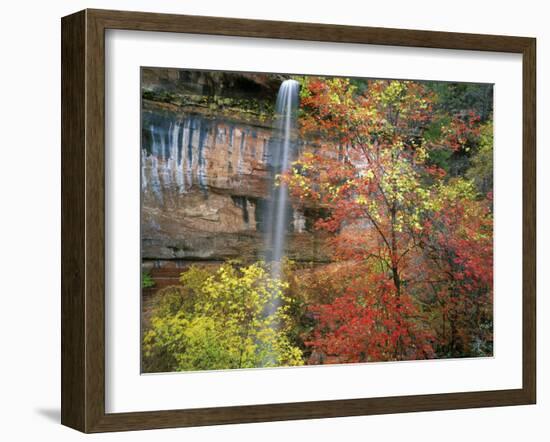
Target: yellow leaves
(233,317)
(421,154)
(374,211)
(392,93)
(458,188)
(304,167)
(366,174)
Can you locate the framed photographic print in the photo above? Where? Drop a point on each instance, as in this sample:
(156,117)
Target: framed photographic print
(267,221)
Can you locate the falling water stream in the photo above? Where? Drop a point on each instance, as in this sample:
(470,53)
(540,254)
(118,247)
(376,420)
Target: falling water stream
(283,147)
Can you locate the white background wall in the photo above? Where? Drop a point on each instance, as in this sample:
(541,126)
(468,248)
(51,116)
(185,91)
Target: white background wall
(30,217)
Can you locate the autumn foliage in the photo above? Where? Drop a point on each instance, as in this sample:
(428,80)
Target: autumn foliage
(415,238)
(393,181)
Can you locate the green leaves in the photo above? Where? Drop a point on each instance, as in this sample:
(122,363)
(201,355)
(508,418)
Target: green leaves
(146,280)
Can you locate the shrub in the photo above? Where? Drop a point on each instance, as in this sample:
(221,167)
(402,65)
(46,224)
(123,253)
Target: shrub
(146,280)
(235,317)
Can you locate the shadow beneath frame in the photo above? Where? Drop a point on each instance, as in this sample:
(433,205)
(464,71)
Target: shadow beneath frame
(51,414)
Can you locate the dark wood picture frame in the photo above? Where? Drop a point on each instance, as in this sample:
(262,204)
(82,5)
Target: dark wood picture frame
(83,220)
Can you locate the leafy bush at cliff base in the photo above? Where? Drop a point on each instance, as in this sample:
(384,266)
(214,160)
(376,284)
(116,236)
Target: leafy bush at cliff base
(234,317)
(146,280)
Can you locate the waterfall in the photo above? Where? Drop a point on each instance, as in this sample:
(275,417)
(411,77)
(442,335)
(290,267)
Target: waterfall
(282,150)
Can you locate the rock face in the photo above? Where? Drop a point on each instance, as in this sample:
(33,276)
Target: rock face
(206,181)
(209,84)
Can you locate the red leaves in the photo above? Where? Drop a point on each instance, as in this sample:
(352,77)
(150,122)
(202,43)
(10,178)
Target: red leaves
(460,247)
(463,129)
(435,172)
(466,236)
(370,323)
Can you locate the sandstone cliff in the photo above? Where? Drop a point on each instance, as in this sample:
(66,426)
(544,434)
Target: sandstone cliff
(205,171)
